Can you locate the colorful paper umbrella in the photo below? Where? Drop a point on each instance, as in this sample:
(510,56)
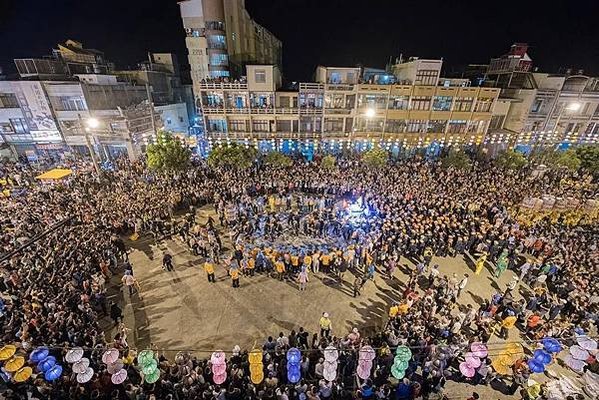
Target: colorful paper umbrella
(574,364)
(80,366)
(85,376)
(367,353)
(364,369)
(329,375)
(293,374)
(23,374)
(257,377)
(119,377)
(14,364)
(218,369)
(535,366)
(479,349)
(397,372)
(114,367)
(153,377)
(552,345)
(220,379)
(400,364)
(218,357)
(586,343)
(144,356)
(255,368)
(149,367)
(38,354)
(404,352)
(331,353)
(46,363)
(515,350)
(578,352)
(255,357)
(467,370)
(472,360)
(110,356)
(7,352)
(53,373)
(294,355)
(509,322)
(73,355)
(542,356)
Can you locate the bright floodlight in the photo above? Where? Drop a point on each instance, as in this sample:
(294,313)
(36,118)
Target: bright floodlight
(92,123)
(370,112)
(573,106)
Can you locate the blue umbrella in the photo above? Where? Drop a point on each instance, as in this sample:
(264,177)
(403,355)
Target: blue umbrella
(535,366)
(39,354)
(53,373)
(294,355)
(46,363)
(542,356)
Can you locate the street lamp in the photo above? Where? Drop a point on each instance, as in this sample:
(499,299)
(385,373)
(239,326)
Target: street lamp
(86,126)
(92,123)
(575,106)
(370,112)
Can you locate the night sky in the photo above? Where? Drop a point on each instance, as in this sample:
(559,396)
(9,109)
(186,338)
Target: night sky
(329,32)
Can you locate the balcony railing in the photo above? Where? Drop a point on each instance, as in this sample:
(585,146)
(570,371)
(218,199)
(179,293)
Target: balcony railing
(263,135)
(340,86)
(224,85)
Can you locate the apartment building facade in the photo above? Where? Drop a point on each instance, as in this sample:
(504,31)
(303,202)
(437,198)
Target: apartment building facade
(339,112)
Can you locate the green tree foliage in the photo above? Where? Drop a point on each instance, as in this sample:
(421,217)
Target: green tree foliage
(328,162)
(589,158)
(568,159)
(168,154)
(456,159)
(234,155)
(376,157)
(277,159)
(511,159)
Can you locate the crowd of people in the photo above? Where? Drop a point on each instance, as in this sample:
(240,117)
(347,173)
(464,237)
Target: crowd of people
(54,291)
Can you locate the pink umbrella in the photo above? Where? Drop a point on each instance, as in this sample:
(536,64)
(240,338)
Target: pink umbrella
(466,370)
(576,365)
(219,369)
(115,367)
(119,377)
(329,375)
(472,360)
(586,343)
(218,357)
(80,366)
(85,376)
(331,354)
(578,352)
(479,349)
(110,356)
(367,353)
(220,379)
(363,371)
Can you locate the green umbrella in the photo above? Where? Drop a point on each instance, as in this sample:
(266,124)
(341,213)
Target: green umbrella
(145,356)
(400,364)
(398,373)
(153,377)
(404,352)
(149,367)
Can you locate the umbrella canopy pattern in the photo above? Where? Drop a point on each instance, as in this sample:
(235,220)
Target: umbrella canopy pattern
(85,376)
(256,366)
(80,366)
(14,364)
(294,357)
(110,356)
(23,374)
(219,367)
(39,354)
(7,352)
(119,377)
(74,355)
(330,364)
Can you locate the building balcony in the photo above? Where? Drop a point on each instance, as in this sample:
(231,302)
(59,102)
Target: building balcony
(338,111)
(224,85)
(262,135)
(311,87)
(213,110)
(310,111)
(346,87)
(287,111)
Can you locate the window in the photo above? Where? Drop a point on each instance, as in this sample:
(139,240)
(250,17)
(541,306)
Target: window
(476,126)
(212,99)
(334,100)
(483,105)
(396,126)
(6,128)
(218,59)
(217,42)
(8,100)
(260,76)
(428,77)
(310,100)
(261,100)
(399,102)
(436,126)
(19,126)
(215,25)
(536,106)
(333,125)
(237,125)
(217,125)
(457,126)
(592,129)
(335,77)
(422,103)
(284,126)
(496,121)
(442,103)
(417,125)
(70,103)
(370,125)
(261,125)
(463,104)
(219,74)
(372,100)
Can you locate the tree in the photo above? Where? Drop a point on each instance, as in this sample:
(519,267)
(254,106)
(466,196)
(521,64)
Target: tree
(568,159)
(376,157)
(328,162)
(456,159)
(233,155)
(511,159)
(168,154)
(589,158)
(277,159)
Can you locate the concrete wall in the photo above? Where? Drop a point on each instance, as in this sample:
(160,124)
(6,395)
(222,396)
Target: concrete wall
(174,117)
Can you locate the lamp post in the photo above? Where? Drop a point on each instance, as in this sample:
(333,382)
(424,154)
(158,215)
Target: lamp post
(573,107)
(90,123)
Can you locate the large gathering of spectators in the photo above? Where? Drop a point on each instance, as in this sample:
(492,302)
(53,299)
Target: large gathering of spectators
(54,290)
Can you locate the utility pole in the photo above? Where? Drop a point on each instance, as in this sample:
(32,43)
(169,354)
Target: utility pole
(151,102)
(90,148)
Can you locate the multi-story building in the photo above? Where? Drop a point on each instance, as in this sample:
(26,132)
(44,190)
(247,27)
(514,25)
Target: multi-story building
(554,110)
(338,111)
(221,38)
